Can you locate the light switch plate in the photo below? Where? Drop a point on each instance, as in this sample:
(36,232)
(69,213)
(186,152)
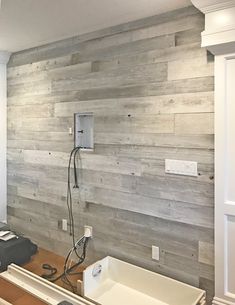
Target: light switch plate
(180,167)
(155,253)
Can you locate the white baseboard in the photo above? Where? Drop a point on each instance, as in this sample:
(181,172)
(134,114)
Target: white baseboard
(218,301)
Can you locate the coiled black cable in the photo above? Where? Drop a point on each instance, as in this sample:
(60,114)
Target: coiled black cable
(67,271)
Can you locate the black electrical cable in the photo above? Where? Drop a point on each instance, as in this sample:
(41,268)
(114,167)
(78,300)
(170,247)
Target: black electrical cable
(73,156)
(69,271)
(75,169)
(69,197)
(52,270)
(69,192)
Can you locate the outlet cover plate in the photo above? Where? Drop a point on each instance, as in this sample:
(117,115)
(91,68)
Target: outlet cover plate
(155,253)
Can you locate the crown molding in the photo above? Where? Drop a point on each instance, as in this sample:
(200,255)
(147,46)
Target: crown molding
(209,6)
(4,57)
(219,34)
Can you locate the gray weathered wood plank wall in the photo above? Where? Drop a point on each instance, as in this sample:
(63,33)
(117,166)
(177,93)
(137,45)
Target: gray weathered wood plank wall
(150,87)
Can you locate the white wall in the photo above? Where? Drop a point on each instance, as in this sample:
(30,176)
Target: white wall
(4,56)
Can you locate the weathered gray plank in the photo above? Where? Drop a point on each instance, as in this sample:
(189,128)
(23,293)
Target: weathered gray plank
(154,167)
(208,286)
(189,68)
(150,139)
(148,57)
(203,84)
(155,153)
(175,103)
(32,88)
(206,253)
(198,123)
(188,36)
(171,188)
(64,146)
(28,111)
(40,136)
(163,123)
(123,76)
(43,65)
(46,124)
(88,161)
(171,210)
(166,28)
(68,46)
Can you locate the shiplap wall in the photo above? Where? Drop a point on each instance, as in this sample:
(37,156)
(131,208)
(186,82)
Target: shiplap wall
(150,87)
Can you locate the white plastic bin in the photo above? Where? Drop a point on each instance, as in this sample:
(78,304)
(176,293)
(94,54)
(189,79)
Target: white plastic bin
(114,282)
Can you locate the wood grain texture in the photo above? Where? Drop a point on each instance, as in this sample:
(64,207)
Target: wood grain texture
(150,87)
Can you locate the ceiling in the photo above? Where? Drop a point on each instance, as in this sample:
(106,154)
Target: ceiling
(29,23)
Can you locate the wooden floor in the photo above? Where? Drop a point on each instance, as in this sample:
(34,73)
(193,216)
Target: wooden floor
(17,296)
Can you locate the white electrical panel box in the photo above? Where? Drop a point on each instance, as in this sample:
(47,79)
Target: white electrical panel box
(83,133)
(180,167)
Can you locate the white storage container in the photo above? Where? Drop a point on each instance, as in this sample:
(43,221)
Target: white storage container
(114,282)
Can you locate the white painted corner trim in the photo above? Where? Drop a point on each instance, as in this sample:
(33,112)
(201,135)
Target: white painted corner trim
(4,57)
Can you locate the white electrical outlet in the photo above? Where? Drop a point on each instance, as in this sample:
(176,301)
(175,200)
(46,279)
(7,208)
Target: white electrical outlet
(155,253)
(64,225)
(70,131)
(88,231)
(180,167)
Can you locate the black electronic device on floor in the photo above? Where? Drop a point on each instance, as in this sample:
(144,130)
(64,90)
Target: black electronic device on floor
(17,250)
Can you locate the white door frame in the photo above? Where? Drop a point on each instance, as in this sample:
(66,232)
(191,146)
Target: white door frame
(224,171)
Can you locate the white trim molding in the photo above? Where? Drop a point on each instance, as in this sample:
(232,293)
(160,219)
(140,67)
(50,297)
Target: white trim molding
(218,301)
(219,33)
(209,6)
(4,57)
(224,180)
(42,289)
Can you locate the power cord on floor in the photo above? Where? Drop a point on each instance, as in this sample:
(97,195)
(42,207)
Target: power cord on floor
(69,267)
(52,270)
